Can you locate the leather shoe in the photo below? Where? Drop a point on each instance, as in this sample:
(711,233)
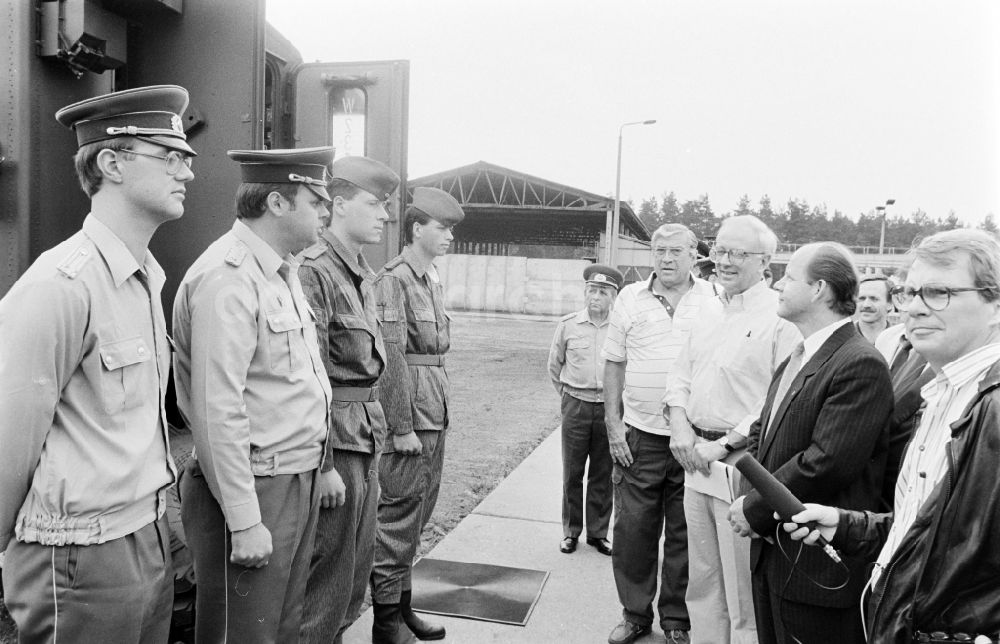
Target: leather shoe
(628,632)
(677,636)
(603,545)
(567,545)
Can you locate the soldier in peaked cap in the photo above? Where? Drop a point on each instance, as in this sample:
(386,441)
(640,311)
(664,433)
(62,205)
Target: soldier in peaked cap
(339,286)
(250,383)
(411,307)
(84,360)
(576,368)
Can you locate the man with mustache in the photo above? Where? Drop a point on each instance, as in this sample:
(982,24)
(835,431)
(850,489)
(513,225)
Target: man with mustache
(873,306)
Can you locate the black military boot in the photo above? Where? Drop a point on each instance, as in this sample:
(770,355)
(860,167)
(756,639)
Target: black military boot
(423,630)
(388,627)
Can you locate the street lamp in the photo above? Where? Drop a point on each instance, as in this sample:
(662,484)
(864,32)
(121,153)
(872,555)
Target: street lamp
(613,237)
(881,211)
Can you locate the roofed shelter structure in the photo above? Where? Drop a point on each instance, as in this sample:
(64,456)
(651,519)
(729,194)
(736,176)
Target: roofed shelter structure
(511,213)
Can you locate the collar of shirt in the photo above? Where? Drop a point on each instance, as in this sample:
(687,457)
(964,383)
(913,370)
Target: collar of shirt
(692,280)
(356,265)
(415,262)
(812,344)
(747,299)
(120,261)
(960,372)
(583,317)
(268,260)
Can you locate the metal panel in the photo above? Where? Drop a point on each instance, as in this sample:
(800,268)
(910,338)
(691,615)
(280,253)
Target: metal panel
(386,88)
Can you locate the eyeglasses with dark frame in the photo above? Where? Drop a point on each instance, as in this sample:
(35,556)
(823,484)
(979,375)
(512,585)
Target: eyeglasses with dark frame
(174,159)
(936,297)
(732,255)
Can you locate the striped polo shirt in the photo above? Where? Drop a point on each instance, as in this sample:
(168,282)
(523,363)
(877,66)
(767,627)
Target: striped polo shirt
(643,334)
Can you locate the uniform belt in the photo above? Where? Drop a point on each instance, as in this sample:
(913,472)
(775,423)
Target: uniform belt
(940,637)
(354,394)
(708,434)
(424,360)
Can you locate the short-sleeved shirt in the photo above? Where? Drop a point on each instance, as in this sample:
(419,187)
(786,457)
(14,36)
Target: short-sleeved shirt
(417,329)
(644,335)
(340,289)
(84,362)
(249,377)
(576,365)
(722,375)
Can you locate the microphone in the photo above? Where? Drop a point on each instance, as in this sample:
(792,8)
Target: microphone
(779,497)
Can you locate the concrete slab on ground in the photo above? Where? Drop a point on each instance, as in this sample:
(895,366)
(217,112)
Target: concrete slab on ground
(519,525)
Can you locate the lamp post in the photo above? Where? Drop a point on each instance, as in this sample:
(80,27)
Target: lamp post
(613,237)
(881,211)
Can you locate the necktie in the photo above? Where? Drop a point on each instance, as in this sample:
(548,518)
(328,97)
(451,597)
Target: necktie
(787,376)
(902,353)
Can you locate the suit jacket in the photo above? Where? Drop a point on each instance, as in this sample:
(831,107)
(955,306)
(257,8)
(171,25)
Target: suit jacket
(828,445)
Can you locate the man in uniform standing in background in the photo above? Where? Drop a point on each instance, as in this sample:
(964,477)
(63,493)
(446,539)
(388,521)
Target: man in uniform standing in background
(84,364)
(414,395)
(251,386)
(339,286)
(576,368)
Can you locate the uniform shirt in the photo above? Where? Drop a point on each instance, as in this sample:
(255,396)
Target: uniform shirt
(340,290)
(84,360)
(576,365)
(248,374)
(926,459)
(721,376)
(414,321)
(642,333)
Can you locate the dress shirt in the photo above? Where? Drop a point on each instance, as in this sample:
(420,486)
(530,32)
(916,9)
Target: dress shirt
(926,461)
(887,342)
(721,376)
(84,362)
(576,365)
(414,321)
(339,286)
(812,344)
(648,338)
(249,378)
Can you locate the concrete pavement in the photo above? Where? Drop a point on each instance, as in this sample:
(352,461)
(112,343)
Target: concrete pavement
(519,525)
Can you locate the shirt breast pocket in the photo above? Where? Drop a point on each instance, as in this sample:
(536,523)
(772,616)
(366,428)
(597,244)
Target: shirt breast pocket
(121,376)
(579,351)
(282,325)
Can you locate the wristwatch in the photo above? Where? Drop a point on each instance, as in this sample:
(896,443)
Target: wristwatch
(724,441)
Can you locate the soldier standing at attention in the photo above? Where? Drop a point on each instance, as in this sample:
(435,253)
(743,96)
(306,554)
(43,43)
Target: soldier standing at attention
(414,395)
(251,386)
(84,362)
(340,288)
(576,368)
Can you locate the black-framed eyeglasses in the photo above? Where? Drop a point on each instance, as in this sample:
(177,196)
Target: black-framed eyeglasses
(733,255)
(174,159)
(936,297)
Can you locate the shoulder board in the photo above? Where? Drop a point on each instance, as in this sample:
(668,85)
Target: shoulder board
(568,316)
(74,262)
(393,263)
(315,251)
(236,255)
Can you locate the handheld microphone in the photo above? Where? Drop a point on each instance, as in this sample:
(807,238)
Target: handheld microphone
(779,497)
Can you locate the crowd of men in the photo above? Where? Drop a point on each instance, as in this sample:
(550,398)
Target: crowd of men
(295,366)
(888,433)
(317,397)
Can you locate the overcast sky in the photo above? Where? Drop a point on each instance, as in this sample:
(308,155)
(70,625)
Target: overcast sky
(845,103)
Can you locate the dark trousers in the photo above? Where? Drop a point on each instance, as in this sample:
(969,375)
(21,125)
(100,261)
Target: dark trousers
(409,489)
(342,557)
(120,591)
(784,621)
(585,438)
(238,604)
(649,502)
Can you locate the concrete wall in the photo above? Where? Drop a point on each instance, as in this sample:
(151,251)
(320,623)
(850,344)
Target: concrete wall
(512,284)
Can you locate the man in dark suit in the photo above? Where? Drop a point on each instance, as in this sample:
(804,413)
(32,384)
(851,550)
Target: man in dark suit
(823,433)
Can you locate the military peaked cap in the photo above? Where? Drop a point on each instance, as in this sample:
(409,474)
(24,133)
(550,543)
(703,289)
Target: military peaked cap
(368,174)
(305,166)
(438,205)
(604,275)
(151,114)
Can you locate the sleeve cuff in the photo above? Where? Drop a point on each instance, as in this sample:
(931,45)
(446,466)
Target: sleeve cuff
(243,516)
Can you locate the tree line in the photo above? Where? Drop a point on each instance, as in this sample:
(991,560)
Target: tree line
(797,223)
